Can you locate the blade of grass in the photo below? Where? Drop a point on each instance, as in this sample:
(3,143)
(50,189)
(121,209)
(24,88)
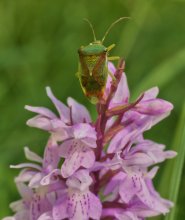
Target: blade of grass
(163,73)
(170,182)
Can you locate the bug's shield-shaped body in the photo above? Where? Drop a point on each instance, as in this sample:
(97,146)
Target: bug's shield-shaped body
(93,70)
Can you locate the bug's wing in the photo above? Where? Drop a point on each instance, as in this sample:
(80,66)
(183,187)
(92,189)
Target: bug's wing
(83,73)
(100,69)
(83,68)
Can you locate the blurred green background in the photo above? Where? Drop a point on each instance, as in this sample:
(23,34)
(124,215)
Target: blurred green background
(38,47)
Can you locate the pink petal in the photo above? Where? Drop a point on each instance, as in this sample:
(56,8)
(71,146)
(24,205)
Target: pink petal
(11,218)
(59,130)
(88,158)
(135,185)
(110,122)
(151,93)
(25,175)
(118,142)
(95,210)
(148,153)
(24,191)
(60,209)
(83,130)
(22,215)
(81,180)
(67,148)
(35,180)
(122,93)
(17,205)
(79,112)
(26,165)
(142,210)
(160,205)
(32,156)
(76,155)
(38,206)
(112,69)
(41,111)
(50,178)
(153,107)
(89,142)
(151,174)
(51,157)
(144,194)
(58,124)
(70,165)
(170,154)
(40,122)
(114,183)
(80,206)
(126,216)
(139,159)
(46,216)
(128,188)
(137,124)
(107,212)
(61,108)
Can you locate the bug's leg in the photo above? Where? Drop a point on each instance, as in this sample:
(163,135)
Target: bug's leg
(113,58)
(110,47)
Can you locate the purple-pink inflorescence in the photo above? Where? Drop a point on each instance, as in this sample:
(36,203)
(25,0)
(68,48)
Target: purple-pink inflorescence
(95,170)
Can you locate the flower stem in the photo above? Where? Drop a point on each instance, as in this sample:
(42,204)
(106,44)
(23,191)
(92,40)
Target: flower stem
(101,122)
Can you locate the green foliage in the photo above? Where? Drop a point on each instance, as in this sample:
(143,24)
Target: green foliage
(174,169)
(38,47)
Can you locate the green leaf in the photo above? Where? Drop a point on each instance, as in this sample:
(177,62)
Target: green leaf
(163,74)
(170,182)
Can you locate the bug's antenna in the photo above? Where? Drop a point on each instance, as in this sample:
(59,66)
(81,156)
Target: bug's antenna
(110,27)
(91,26)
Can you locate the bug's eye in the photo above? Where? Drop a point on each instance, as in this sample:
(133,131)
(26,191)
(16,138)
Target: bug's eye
(105,50)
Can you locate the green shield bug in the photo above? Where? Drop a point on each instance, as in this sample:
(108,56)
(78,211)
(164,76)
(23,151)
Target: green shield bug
(93,66)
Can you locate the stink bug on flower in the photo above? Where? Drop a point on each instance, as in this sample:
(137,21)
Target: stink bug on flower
(93,66)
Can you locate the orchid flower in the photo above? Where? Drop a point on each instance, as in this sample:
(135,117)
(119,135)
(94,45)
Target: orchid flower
(95,170)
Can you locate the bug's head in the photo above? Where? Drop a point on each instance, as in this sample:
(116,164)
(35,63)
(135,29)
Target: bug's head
(94,48)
